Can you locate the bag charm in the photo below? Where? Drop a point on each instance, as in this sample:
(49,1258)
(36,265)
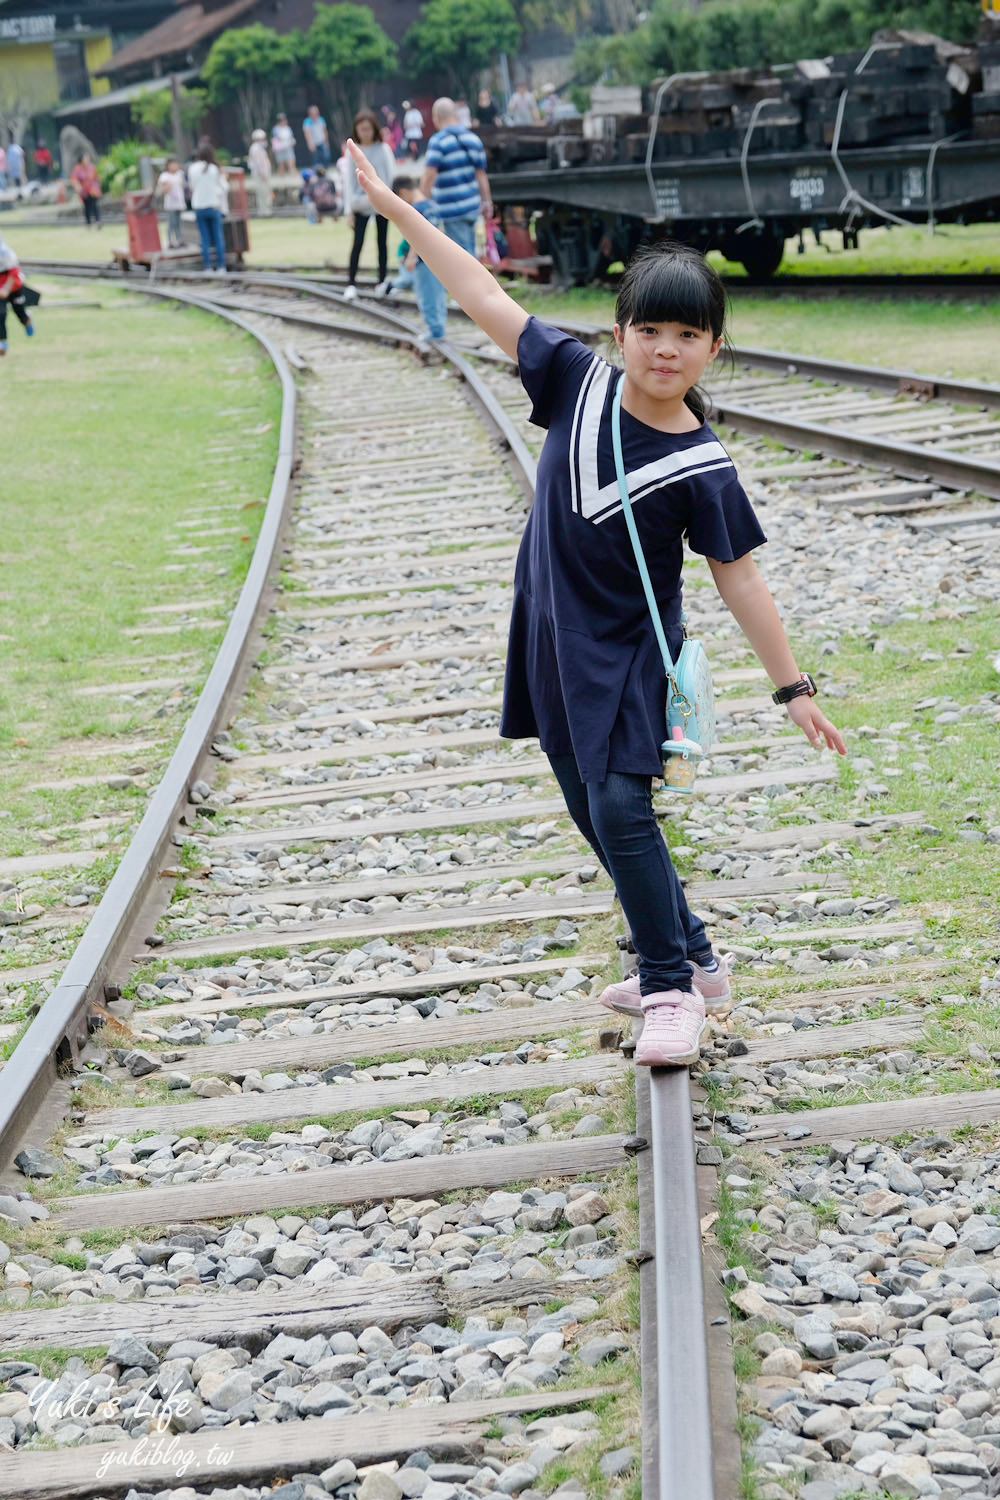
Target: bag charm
(690,695)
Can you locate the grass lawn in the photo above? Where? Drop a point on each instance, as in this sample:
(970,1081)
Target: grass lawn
(128,418)
(277,241)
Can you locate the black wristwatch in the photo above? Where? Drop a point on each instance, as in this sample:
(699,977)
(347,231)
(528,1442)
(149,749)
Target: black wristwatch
(804,688)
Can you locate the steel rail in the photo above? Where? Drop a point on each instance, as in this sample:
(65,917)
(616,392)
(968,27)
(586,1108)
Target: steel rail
(56,1033)
(683,1469)
(952,471)
(874,377)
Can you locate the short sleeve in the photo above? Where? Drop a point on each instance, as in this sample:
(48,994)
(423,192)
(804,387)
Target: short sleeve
(723,523)
(476,150)
(433,156)
(553,366)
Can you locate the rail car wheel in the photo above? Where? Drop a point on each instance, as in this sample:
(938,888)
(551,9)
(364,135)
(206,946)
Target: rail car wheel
(760,251)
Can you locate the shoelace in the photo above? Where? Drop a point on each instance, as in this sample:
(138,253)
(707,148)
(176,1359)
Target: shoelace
(671,1017)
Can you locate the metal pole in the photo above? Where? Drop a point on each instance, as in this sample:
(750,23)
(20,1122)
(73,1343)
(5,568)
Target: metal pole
(180,143)
(684,1415)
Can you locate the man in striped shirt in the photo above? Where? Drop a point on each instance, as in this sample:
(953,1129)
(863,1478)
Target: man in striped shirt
(455,176)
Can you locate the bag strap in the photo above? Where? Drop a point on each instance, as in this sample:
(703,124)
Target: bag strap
(616,443)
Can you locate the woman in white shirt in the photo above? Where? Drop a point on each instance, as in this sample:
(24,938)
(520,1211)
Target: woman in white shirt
(357,209)
(413,129)
(209,198)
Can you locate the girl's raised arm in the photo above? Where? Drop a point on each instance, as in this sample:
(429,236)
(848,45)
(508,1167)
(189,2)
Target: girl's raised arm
(471,284)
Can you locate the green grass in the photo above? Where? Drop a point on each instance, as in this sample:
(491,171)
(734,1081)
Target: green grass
(276,241)
(116,444)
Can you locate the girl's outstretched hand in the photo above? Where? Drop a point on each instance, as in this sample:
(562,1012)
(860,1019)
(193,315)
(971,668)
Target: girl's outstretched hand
(814,724)
(382,199)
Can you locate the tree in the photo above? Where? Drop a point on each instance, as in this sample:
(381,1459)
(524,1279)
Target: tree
(16,109)
(250,66)
(153,114)
(460,38)
(346,46)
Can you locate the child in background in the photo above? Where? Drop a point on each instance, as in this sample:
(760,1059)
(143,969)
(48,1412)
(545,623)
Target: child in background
(12,294)
(320,196)
(170,186)
(432,299)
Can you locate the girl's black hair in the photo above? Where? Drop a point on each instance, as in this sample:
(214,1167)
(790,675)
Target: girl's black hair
(206,154)
(673,283)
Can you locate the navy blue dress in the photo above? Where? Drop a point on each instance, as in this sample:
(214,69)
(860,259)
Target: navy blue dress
(584,673)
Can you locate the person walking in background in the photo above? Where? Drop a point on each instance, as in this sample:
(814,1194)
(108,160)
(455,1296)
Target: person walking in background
(522,109)
(392,129)
(209,199)
(316,137)
(413,129)
(260,172)
(463,114)
(487,112)
(432,299)
(320,196)
(455,176)
(12,294)
(43,160)
(15,164)
(549,102)
(170,186)
(88,189)
(283,146)
(357,209)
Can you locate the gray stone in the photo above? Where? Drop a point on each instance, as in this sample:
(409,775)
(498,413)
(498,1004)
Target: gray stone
(816,1337)
(619,1461)
(139,1063)
(34,1162)
(378,1485)
(833,1282)
(324,1397)
(14,1210)
(902,1180)
(340,1473)
(513,1480)
(128,1351)
(232,1392)
(598,1349)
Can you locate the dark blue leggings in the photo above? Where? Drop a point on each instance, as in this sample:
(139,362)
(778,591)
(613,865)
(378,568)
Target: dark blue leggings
(616,818)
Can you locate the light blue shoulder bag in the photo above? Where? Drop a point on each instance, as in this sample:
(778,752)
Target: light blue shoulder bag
(690,694)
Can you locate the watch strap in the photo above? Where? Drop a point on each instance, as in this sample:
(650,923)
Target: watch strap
(804,688)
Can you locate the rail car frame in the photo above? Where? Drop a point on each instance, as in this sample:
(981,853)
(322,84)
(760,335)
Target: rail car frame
(587,217)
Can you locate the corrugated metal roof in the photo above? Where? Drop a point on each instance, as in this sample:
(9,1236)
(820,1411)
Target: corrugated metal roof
(178,33)
(119,96)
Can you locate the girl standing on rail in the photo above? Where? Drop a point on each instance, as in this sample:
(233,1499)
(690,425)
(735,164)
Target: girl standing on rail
(377,160)
(584,672)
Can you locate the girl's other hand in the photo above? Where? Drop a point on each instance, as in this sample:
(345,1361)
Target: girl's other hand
(814,724)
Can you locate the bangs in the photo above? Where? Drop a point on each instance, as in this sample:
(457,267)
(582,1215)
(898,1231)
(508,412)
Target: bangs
(671,289)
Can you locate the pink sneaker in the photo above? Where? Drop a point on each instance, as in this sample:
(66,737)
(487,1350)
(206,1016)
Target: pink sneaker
(673,1021)
(713,987)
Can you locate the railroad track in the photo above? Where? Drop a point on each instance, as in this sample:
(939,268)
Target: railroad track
(363,1018)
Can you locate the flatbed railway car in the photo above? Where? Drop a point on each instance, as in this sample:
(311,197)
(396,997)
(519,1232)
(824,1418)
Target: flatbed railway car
(907,132)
